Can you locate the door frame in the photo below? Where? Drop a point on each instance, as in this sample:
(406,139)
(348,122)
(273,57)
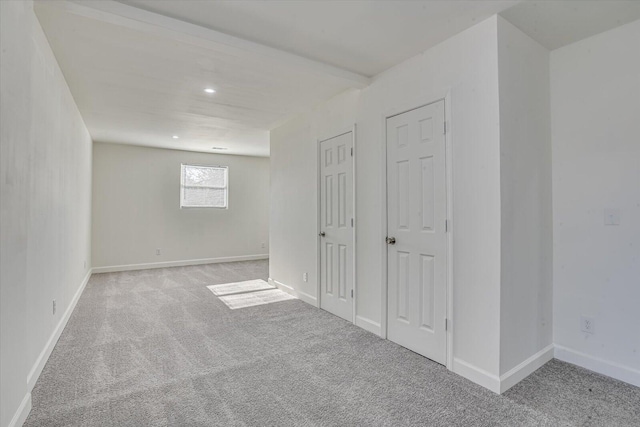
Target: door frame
(319,141)
(443,95)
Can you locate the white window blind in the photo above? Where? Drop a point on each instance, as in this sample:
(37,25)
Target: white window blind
(204,186)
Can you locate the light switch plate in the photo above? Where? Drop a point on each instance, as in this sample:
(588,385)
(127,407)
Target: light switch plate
(612,217)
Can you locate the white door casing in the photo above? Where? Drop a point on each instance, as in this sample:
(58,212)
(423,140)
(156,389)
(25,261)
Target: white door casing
(416,219)
(336,225)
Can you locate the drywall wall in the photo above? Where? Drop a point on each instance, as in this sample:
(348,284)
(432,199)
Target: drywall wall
(525,181)
(293,193)
(136,209)
(46,205)
(595,106)
(466,66)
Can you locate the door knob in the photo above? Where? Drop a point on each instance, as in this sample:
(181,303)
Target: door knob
(322,234)
(391,240)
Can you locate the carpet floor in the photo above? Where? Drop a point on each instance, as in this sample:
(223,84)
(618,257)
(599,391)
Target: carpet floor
(157,348)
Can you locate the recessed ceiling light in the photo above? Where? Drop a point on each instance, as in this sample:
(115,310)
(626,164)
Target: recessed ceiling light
(175,137)
(209,90)
(219,148)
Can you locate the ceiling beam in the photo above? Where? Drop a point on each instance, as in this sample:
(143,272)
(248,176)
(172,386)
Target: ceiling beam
(123,15)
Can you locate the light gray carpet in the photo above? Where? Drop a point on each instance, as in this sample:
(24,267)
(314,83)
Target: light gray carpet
(157,348)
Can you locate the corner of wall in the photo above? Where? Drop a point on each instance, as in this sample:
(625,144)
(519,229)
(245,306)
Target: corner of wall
(526,368)
(526,295)
(303,296)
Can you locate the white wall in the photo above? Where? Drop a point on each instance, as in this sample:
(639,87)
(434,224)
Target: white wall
(595,104)
(525,176)
(136,208)
(467,66)
(46,205)
(293,194)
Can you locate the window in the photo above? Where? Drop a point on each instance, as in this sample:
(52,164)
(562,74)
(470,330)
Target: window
(204,186)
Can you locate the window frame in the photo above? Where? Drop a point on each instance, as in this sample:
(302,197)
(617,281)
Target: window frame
(183,166)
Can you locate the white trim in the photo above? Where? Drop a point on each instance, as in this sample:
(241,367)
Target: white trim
(476,375)
(22,412)
(303,296)
(600,366)
(448,140)
(368,325)
(156,24)
(318,222)
(384,283)
(504,382)
(182,263)
(37,368)
(335,133)
(526,368)
(354,239)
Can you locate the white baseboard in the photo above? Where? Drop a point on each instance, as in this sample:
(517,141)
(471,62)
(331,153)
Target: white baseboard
(526,368)
(476,375)
(22,413)
(37,368)
(600,366)
(369,325)
(309,299)
(181,263)
(504,382)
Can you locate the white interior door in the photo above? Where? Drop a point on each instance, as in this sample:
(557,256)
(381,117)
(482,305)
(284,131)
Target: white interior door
(416,242)
(336,225)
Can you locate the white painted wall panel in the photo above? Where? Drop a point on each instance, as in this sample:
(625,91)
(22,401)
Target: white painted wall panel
(525,177)
(46,200)
(595,104)
(136,208)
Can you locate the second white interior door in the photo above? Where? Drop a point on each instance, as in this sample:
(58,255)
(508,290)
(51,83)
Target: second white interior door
(416,246)
(336,225)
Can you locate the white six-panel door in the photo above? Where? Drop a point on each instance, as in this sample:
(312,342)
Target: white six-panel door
(416,214)
(336,226)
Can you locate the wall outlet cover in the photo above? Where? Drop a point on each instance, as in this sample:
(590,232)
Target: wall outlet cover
(612,217)
(587,324)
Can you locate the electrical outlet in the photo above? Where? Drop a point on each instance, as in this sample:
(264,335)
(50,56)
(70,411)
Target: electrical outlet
(158,251)
(587,324)
(263,245)
(612,217)
(54,307)
(305,277)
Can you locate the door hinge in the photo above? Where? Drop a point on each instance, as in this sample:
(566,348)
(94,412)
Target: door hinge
(446,225)
(444,125)
(351,151)
(351,293)
(351,222)
(446,324)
